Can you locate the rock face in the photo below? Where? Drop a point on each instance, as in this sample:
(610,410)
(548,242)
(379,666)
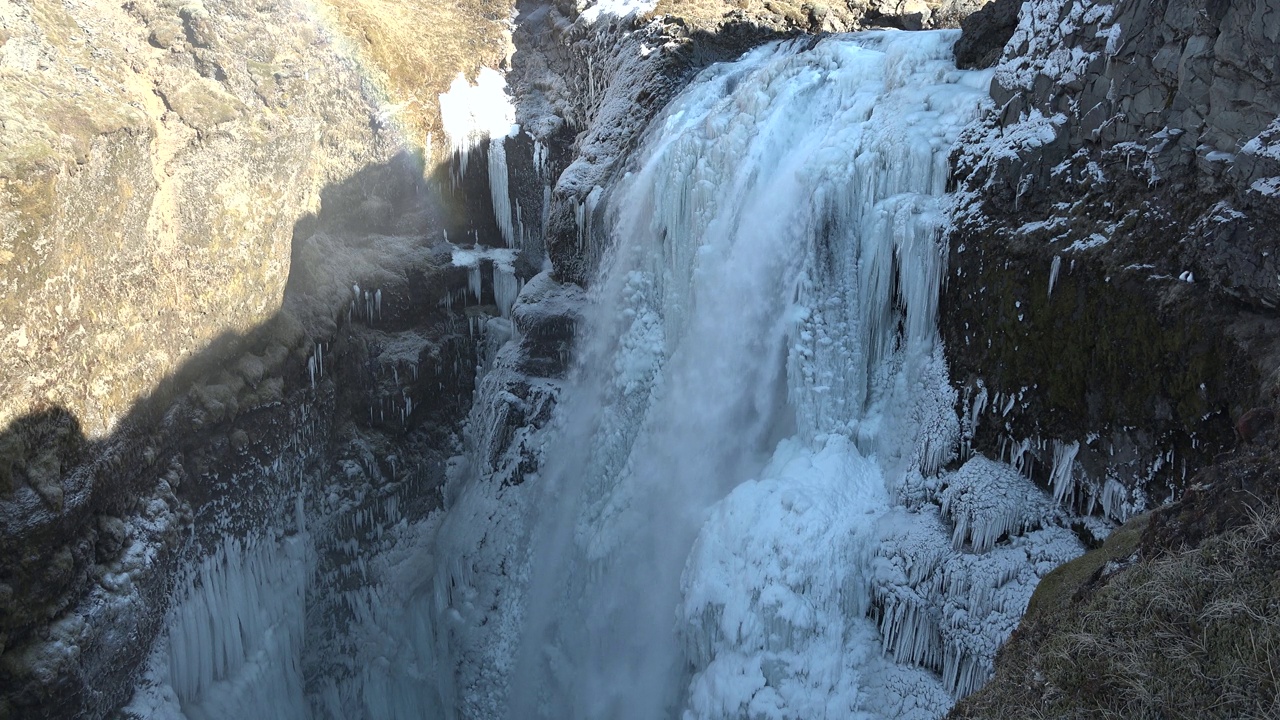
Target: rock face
(188,194)
(1110,310)
(985,33)
(155,161)
(1113,276)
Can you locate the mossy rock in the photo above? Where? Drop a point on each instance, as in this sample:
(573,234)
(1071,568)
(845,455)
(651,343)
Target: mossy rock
(1062,587)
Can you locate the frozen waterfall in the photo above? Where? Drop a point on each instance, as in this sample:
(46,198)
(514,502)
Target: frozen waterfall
(745,465)
(748,499)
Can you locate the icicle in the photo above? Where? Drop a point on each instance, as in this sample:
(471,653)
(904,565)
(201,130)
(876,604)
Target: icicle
(473,281)
(1061,476)
(1054,267)
(498,190)
(506,286)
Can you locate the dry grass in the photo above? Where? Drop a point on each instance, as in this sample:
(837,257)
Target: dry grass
(1191,635)
(413,49)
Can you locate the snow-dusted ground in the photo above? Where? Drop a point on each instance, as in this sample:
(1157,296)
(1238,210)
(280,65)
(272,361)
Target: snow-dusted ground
(739,508)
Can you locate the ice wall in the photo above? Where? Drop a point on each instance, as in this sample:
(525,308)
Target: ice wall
(740,512)
(233,648)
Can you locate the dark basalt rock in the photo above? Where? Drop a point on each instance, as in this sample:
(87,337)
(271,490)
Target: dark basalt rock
(984,34)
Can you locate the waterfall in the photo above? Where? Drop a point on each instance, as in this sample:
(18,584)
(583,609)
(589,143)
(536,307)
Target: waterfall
(741,502)
(748,453)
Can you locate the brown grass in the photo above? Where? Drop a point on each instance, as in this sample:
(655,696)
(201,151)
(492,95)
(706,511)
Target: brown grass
(1191,635)
(415,48)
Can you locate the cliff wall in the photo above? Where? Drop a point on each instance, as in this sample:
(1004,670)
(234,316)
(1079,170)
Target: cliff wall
(1111,314)
(1112,278)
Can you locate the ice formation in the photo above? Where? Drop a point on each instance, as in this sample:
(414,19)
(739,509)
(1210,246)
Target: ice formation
(760,380)
(986,500)
(736,504)
(235,635)
(505,283)
(472,115)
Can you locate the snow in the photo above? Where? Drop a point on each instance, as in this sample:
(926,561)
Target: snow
(1093,241)
(1269,186)
(1266,144)
(615,9)
(1039,44)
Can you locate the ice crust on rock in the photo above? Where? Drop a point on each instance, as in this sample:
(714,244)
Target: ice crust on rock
(950,610)
(986,500)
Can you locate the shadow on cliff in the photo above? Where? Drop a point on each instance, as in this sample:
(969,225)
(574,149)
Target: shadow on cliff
(67,501)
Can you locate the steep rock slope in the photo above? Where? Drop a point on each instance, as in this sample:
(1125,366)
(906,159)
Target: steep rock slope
(1111,312)
(189,194)
(1110,302)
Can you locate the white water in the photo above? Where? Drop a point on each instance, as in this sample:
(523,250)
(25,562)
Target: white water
(739,511)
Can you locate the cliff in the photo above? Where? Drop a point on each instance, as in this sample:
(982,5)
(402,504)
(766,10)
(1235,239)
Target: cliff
(188,194)
(1110,313)
(225,291)
(1112,278)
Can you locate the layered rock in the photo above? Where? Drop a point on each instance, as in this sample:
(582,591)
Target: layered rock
(1111,312)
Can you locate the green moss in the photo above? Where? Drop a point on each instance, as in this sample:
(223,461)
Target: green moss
(1106,350)
(1058,589)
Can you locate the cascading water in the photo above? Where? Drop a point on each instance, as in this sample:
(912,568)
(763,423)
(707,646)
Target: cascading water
(747,451)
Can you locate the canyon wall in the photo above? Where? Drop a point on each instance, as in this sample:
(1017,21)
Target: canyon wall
(1112,276)
(189,195)
(1110,316)
(225,289)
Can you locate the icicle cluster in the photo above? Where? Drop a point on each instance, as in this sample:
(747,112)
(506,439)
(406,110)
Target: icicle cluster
(472,114)
(986,500)
(506,285)
(235,634)
(950,610)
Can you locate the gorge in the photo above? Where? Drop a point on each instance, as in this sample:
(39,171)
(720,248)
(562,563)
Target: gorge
(690,360)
